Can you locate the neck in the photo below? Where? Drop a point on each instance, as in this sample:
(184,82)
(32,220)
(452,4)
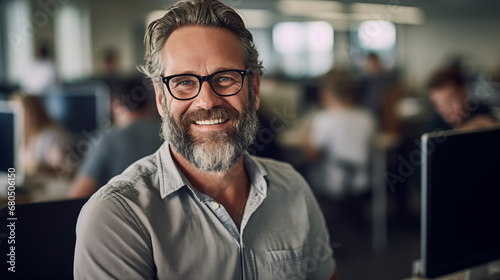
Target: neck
(124,117)
(215,184)
(334,103)
(229,188)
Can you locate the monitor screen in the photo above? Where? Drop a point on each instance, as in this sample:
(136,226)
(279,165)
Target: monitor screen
(7,140)
(11,124)
(79,108)
(460,200)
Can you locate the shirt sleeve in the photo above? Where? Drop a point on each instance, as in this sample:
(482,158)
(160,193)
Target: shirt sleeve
(111,242)
(322,264)
(95,165)
(319,131)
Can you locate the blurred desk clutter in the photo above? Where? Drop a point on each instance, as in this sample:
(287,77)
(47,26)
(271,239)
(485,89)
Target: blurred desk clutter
(38,188)
(49,135)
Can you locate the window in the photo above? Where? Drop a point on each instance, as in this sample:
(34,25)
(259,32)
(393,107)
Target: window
(375,36)
(305,49)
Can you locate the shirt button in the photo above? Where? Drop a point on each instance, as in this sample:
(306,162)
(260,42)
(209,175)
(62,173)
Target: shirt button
(215,205)
(243,245)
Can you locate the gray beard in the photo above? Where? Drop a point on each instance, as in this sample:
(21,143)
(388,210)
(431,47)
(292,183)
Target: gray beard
(221,150)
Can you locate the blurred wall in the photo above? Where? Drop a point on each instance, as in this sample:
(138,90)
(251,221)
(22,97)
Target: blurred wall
(428,46)
(119,25)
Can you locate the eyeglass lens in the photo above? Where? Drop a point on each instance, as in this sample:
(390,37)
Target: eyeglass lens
(223,83)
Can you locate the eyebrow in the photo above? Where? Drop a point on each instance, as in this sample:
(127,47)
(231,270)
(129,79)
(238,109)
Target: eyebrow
(216,70)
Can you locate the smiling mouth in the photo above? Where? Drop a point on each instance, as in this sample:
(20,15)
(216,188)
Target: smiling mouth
(210,122)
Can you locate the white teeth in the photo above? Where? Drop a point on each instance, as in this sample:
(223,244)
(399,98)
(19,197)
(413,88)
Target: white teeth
(209,122)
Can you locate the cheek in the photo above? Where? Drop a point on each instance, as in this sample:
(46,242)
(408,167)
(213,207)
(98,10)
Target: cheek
(177,108)
(239,102)
(440,103)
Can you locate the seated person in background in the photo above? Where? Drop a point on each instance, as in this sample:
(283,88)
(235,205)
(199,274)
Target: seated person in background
(456,110)
(341,137)
(201,207)
(137,135)
(379,91)
(40,74)
(45,141)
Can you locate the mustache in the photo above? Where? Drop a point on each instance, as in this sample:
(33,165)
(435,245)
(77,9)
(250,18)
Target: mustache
(217,112)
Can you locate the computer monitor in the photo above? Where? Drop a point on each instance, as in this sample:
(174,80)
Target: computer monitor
(11,139)
(460,200)
(80,108)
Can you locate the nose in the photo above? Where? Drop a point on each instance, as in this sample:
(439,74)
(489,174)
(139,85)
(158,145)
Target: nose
(207,98)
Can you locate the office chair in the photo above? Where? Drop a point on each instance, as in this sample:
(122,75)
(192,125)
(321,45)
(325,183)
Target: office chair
(44,240)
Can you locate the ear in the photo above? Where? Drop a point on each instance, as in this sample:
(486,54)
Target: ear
(115,104)
(159,99)
(256,89)
(117,108)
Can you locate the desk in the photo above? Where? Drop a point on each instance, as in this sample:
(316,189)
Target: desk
(490,271)
(40,188)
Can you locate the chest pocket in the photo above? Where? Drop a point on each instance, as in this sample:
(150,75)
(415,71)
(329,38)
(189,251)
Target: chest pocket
(288,264)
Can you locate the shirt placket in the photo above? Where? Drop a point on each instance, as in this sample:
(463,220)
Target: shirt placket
(253,202)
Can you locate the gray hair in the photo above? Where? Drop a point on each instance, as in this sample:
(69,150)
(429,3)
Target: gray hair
(208,13)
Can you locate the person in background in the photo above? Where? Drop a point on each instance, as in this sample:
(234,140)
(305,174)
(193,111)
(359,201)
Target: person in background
(456,110)
(137,135)
(45,141)
(379,92)
(341,137)
(39,75)
(201,207)
(340,143)
(110,63)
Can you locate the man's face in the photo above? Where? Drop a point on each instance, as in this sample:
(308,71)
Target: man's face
(210,131)
(449,101)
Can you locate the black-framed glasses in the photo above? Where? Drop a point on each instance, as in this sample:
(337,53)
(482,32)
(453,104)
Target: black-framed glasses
(188,86)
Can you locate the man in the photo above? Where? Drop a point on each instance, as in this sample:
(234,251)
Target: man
(456,110)
(339,142)
(137,135)
(201,207)
(379,92)
(341,137)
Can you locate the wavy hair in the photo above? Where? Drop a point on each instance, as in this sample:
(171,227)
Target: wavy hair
(207,13)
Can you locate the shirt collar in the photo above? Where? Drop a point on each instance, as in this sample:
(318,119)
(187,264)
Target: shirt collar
(256,173)
(172,180)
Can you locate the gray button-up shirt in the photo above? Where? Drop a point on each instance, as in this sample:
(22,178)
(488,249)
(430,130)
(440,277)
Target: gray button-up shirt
(149,223)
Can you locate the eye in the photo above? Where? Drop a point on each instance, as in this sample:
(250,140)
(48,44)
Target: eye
(186,83)
(183,82)
(225,79)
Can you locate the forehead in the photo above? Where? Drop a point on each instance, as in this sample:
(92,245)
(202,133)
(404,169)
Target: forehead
(201,50)
(448,90)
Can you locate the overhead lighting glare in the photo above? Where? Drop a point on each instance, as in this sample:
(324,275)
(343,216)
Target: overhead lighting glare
(296,7)
(154,15)
(337,11)
(393,13)
(257,18)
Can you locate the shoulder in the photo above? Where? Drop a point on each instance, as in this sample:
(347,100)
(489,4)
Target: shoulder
(272,165)
(481,110)
(281,173)
(363,113)
(136,185)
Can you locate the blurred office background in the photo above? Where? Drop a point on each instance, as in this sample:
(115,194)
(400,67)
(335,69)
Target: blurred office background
(70,53)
